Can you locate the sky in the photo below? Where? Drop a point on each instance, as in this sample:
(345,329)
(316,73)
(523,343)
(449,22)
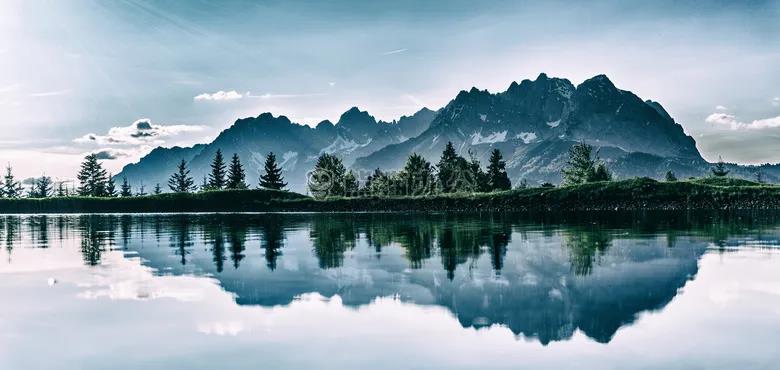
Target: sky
(121,77)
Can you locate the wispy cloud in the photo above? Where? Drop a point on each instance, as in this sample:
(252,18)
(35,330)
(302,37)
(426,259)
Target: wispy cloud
(720,107)
(396,51)
(731,121)
(140,132)
(219,96)
(776,101)
(44,94)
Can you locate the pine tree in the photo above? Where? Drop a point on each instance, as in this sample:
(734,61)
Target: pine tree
(448,168)
(218,171)
(497,176)
(580,166)
(42,187)
(272,179)
(141,190)
(126,190)
(417,177)
(478,178)
(236,176)
(719,170)
(11,187)
(92,177)
(180,181)
(157,189)
(670,177)
(351,186)
(327,178)
(601,173)
(204,185)
(110,186)
(61,191)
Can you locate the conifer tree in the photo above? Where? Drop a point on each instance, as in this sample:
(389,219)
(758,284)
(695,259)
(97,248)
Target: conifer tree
(110,186)
(204,185)
(479,181)
(42,187)
(272,179)
(327,178)
(351,186)
(670,177)
(417,177)
(447,168)
(157,189)
(497,176)
(61,191)
(236,178)
(580,165)
(180,181)
(11,187)
(92,177)
(126,190)
(218,172)
(141,190)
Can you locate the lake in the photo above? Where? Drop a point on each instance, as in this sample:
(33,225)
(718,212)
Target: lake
(390,291)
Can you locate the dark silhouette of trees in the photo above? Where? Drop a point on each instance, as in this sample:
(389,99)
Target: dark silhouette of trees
(180,181)
(218,172)
(272,179)
(10,187)
(110,186)
(157,189)
(92,177)
(497,176)
(42,187)
(670,177)
(236,178)
(125,189)
(327,178)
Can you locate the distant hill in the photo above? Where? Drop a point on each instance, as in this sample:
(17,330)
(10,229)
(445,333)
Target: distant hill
(534,123)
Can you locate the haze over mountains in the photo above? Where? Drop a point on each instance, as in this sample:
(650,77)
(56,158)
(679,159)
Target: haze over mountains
(534,123)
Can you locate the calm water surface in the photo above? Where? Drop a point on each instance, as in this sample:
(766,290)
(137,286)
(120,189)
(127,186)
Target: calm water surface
(253,291)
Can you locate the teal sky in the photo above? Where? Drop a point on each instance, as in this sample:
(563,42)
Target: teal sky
(75,68)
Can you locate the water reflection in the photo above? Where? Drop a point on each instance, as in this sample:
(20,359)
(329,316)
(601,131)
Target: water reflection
(541,276)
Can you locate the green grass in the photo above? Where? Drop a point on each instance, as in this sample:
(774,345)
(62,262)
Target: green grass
(634,194)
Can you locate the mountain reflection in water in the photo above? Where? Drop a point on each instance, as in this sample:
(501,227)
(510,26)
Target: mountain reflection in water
(542,276)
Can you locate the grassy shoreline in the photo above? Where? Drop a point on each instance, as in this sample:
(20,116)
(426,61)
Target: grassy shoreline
(634,194)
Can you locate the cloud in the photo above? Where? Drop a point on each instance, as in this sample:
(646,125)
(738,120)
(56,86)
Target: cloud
(396,51)
(720,107)
(140,132)
(776,101)
(731,121)
(219,96)
(110,153)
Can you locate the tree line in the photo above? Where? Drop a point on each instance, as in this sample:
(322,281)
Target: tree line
(453,173)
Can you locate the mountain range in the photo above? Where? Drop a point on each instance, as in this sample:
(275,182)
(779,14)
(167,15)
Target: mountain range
(533,123)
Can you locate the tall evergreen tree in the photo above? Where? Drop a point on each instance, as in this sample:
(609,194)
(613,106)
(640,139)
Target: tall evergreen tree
(719,170)
(670,177)
(180,181)
(478,178)
(417,177)
(497,176)
(351,186)
(157,189)
(218,172)
(110,186)
(448,168)
(61,191)
(42,187)
(92,177)
(204,185)
(272,179)
(126,190)
(141,190)
(236,178)
(327,178)
(11,187)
